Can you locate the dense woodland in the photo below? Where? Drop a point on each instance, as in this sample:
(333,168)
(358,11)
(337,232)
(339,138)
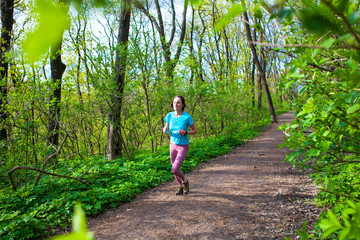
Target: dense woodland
(85,86)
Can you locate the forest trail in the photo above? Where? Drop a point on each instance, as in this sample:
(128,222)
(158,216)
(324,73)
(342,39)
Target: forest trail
(249,193)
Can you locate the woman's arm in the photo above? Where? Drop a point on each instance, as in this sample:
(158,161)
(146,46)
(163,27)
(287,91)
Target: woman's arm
(193,130)
(165,128)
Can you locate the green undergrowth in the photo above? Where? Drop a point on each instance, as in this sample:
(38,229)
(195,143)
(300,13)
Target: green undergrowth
(30,213)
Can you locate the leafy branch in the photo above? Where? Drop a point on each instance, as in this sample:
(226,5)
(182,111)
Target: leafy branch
(348,227)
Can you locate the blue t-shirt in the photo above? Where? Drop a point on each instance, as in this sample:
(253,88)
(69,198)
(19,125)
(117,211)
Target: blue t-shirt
(177,123)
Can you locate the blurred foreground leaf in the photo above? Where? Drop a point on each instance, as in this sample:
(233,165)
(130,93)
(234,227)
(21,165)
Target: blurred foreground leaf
(79,225)
(52,20)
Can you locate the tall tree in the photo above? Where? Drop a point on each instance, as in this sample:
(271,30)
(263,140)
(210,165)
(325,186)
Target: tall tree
(57,71)
(114,138)
(263,66)
(253,69)
(7,21)
(170,63)
(259,67)
(196,69)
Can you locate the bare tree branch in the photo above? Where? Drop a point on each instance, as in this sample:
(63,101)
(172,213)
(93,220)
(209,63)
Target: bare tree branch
(38,170)
(51,156)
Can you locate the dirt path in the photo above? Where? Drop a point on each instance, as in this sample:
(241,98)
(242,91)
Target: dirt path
(248,194)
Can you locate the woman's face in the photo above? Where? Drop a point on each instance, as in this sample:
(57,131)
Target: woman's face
(177,104)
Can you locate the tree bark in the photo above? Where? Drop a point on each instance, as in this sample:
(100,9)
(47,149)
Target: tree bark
(199,68)
(114,138)
(259,91)
(263,66)
(57,70)
(7,21)
(253,83)
(260,69)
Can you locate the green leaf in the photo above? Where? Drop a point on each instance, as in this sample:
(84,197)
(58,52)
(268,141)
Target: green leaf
(101,3)
(195,2)
(282,145)
(303,90)
(296,75)
(301,113)
(79,226)
(72,236)
(344,233)
(303,233)
(79,220)
(353,108)
(351,64)
(324,146)
(351,204)
(289,84)
(313,152)
(317,22)
(328,43)
(342,6)
(330,225)
(257,12)
(234,11)
(354,17)
(326,133)
(281,12)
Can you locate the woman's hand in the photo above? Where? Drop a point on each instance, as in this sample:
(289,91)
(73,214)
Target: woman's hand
(182,132)
(165,129)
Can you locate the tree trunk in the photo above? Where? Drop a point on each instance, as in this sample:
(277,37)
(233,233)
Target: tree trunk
(253,83)
(259,91)
(114,138)
(260,69)
(57,70)
(7,21)
(263,66)
(199,67)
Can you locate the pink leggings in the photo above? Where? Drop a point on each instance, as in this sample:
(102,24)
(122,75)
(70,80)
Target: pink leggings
(177,157)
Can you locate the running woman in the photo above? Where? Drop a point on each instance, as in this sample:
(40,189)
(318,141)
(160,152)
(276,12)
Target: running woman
(177,123)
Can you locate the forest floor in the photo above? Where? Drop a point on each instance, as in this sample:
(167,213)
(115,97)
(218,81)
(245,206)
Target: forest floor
(250,193)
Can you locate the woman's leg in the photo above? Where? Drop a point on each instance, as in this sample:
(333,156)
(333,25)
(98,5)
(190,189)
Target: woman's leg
(177,157)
